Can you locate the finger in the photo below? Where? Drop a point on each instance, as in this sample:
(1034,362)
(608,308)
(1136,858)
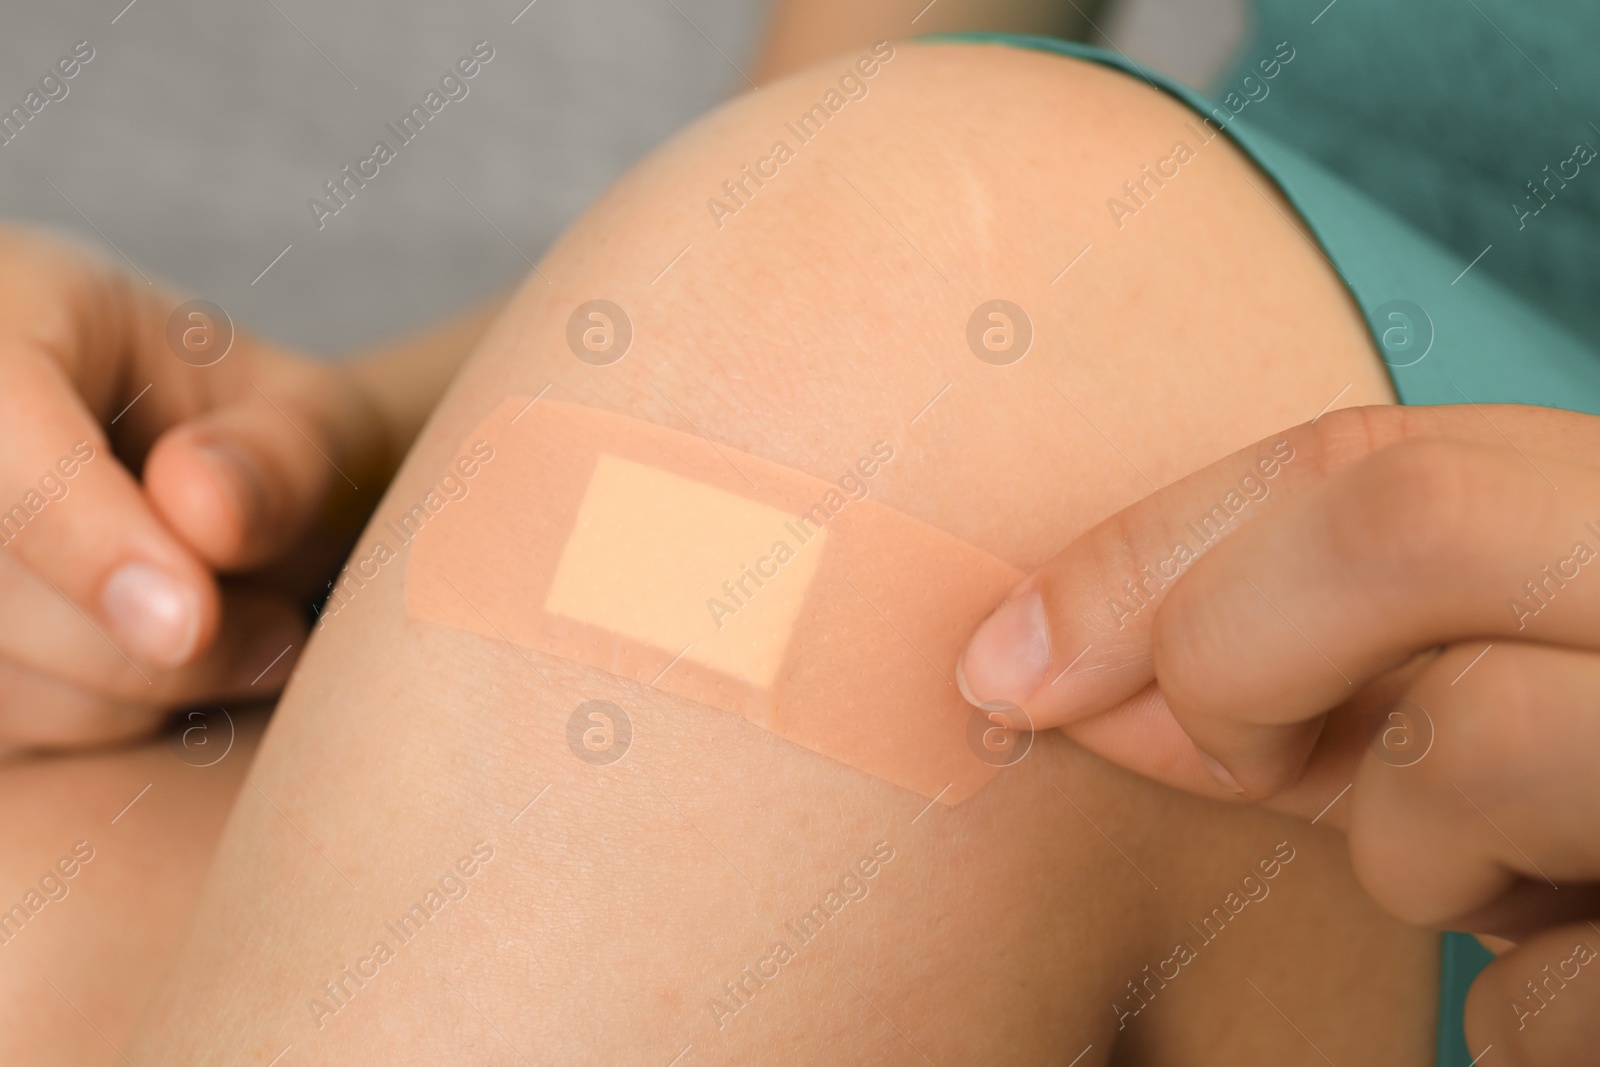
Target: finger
(42,713)
(42,633)
(1490,826)
(1539,1004)
(1142,735)
(243,482)
(1422,544)
(1075,638)
(273,421)
(75,517)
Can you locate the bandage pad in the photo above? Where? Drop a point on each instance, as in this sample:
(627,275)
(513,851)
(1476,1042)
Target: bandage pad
(719,577)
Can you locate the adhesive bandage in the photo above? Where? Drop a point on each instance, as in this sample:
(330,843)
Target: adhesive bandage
(719,577)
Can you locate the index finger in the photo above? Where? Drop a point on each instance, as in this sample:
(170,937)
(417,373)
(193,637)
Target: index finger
(75,517)
(1074,639)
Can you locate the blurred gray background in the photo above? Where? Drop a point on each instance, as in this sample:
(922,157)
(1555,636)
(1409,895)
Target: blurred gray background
(191,142)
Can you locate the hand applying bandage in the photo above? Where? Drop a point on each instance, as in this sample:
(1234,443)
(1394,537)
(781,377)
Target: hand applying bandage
(1411,615)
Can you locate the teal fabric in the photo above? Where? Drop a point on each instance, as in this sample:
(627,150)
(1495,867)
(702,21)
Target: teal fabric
(1461,957)
(1445,111)
(1446,327)
(1447,337)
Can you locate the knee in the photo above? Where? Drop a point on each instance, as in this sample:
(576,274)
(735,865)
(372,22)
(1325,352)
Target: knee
(805,269)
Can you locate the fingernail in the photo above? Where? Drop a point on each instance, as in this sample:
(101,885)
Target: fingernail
(152,615)
(1009,654)
(1498,945)
(241,478)
(1220,773)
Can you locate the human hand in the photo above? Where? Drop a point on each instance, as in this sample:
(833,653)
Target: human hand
(131,478)
(1401,603)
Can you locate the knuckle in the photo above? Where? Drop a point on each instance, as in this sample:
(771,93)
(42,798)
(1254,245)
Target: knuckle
(1117,553)
(1493,725)
(1406,506)
(1091,584)
(1184,644)
(1348,435)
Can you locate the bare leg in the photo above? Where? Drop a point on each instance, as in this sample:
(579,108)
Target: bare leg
(827,312)
(104,854)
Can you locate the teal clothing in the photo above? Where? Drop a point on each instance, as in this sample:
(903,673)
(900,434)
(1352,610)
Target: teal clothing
(1463,119)
(1454,189)
(1447,331)
(1476,124)
(1461,957)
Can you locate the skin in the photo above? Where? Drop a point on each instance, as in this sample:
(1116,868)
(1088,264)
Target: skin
(617,904)
(95,953)
(200,506)
(235,484)
(1410,544)
(238,481)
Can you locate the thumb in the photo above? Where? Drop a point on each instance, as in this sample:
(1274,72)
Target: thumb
(246,480)
(1075,638)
